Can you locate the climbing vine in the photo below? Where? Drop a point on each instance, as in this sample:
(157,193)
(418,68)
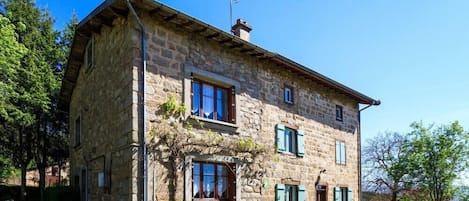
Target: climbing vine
(175,136)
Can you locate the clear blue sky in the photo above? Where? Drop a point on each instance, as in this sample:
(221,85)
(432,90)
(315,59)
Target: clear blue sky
(412,55)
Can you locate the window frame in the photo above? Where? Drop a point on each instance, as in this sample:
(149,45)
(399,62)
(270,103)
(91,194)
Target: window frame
(89,54)
(229,100)
(288,99)
(292,142)
(297,143)
(230,177)
(191,72)
(339,113)
(78,131)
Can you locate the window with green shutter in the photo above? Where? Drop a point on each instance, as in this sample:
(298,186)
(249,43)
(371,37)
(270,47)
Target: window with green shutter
(343,194)
(280,130)
(301,142)
(289,140)
(340,152)
(280,192)
(290,193)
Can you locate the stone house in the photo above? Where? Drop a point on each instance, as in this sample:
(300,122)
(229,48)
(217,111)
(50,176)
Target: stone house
(276,130)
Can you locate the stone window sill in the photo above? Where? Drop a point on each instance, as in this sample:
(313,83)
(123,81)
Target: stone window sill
(214,124)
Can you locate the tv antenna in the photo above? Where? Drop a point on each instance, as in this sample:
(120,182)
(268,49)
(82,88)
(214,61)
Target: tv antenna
(231,12)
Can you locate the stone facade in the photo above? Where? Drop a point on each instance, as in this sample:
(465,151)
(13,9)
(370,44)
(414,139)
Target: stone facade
(105,99)
(261,108)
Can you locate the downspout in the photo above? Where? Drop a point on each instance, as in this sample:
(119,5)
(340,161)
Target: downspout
(143,145)
(359,147)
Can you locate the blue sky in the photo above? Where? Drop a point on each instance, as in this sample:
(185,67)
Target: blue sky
(412,55)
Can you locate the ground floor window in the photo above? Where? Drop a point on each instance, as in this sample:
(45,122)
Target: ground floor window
(213,181)
(342,194)
(285,192)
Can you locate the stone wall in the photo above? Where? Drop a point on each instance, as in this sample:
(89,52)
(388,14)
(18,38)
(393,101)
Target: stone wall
(103,99)
(261,108)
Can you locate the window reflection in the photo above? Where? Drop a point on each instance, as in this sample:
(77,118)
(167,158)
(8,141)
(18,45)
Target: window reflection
(195,98)
(207,101)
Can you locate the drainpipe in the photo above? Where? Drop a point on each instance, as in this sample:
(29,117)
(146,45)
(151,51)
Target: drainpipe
(143,145)
(359,190)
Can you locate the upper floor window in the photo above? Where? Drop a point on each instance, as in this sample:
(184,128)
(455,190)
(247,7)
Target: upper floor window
(290,193)
(215,181)
(340,152)
(339,116)
(89,54)
(288,94)
(78,131)
(290,140)
(212,101)
(342,194)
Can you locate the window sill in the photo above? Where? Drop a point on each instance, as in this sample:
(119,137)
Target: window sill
(214,124)
(290,154)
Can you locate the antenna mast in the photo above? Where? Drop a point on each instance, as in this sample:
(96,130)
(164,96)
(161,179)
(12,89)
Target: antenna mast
(231,14)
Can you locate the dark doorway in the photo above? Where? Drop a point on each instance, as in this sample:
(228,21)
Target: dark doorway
(321,193)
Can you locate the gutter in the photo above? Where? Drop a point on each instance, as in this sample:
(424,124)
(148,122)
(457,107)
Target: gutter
(359,147)
(143,144)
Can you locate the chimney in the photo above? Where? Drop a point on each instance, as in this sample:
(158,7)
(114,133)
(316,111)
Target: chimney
(241,29)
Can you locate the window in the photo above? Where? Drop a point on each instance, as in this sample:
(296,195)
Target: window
(215,181)
(290,140)
(339,113)
(78,131)
(89,54)
(212,101)
(290,193)
(340,152)
(343,194)
(288,95)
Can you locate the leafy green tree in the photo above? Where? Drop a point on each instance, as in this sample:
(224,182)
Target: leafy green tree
(37,86)
(11,53)
(439,155)
(386,160)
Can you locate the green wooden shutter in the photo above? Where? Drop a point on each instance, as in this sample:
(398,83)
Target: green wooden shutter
(280,137)
(337,152)
(280,192)
(301,193)
(342,153)
(337,195)
(349,194)
(301,142)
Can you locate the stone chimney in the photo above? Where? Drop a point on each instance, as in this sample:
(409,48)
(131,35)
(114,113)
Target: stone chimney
(241,29)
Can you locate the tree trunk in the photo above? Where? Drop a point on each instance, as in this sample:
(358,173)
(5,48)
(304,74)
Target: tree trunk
(23,181)
(42,182)
(394,196)
(60,173)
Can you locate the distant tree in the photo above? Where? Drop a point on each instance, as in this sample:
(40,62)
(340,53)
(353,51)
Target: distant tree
(440,154)
(462,193)
(386,159)
(7,170)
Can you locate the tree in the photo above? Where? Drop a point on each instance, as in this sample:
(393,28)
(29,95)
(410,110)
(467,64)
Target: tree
(11,53)
(386,158)
(439,155)
(37,85)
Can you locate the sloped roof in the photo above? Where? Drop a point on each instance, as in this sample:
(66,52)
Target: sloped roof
(105,13)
